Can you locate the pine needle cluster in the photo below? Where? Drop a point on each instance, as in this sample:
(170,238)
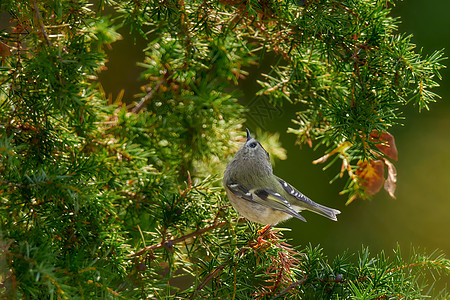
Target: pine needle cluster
(109,200)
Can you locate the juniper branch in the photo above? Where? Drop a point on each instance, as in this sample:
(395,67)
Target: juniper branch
(168,244)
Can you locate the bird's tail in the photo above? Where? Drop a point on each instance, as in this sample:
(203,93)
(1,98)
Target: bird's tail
(310,205)
(330,213)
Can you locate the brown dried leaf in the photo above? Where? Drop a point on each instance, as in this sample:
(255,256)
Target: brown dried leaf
(321,159)
(391,182)
(4,49)
(371,175)
(387,144)
(339,149)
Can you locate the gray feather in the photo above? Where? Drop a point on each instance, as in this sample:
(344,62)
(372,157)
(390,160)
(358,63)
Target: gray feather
(240,191)
(282,204)
(265,197)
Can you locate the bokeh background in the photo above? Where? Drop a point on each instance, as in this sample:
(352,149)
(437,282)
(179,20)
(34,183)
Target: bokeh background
(420,216)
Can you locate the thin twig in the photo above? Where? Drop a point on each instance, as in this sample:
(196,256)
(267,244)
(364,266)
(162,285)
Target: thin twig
(207,279)
(41,23)
(170,243)
(290,287)
(149,95)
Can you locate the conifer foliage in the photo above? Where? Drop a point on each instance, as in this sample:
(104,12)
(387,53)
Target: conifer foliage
(104,200)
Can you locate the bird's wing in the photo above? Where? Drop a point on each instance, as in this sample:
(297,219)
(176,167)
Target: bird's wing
(293,192)
(240,191)
(265,197)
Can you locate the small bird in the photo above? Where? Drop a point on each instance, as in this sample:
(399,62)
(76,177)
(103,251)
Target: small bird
(260,196)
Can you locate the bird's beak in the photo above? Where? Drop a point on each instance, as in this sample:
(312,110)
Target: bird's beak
(248,135)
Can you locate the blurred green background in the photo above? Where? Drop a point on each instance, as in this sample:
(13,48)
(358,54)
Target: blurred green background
(419,217)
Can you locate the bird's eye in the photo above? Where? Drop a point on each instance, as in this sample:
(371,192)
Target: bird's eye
(252,145)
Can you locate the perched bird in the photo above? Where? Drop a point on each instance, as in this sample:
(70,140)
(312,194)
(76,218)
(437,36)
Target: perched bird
(260,196)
